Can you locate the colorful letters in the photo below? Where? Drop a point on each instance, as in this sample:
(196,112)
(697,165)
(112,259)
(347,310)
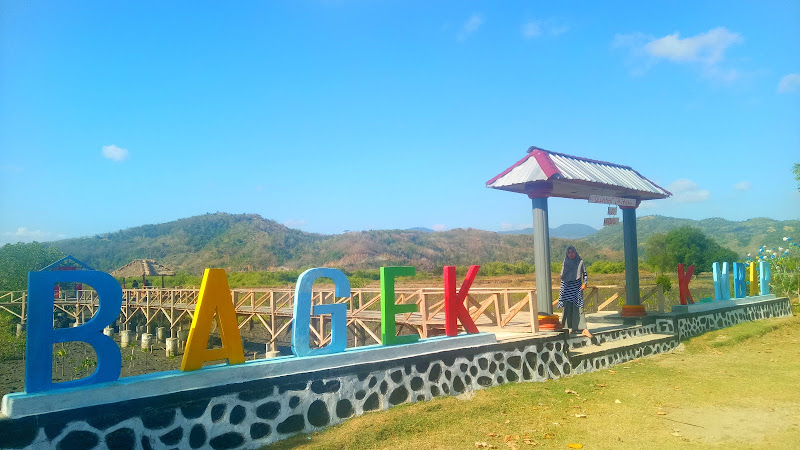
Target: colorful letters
(683,284)
(42,336)
(454,309)
(215,296)
(302,312)
(764,276)
(739,285)
(722,281)
(389,308)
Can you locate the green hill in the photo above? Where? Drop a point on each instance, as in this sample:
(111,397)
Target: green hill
(240,242)
(244,242)
(742,237)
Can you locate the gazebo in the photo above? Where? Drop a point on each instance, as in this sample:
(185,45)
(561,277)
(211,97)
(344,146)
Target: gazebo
(143,268)
(542,174)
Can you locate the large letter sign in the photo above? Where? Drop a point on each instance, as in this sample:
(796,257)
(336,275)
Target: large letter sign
(42,336)
(739,285)
(683,284)
(764,276)
(753,279)
(454,309)
(722,281)
(389,308)
(302,312)
(215,296)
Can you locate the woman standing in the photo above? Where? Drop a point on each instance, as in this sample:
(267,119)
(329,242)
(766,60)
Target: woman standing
(573,282)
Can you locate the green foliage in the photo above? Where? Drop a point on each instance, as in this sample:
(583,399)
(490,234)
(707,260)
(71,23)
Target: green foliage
(656,254)
(16,260)
(606,267)
(784,276)
(688,246)
(11,347)
(496,268)
(665,282)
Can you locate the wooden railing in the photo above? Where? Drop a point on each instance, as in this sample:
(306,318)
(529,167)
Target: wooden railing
(490,308)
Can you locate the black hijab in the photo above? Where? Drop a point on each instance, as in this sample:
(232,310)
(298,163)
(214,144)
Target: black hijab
(569,270)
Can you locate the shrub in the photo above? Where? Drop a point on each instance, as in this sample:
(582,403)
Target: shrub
(664,281)
(11,347)
(606,267)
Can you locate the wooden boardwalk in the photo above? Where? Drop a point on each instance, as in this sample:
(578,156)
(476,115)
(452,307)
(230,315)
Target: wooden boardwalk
(497,310)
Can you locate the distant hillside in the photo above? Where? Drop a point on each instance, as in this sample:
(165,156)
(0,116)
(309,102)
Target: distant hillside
(566,231)
(241,242)
(212,240)
(741,237)
(250,242)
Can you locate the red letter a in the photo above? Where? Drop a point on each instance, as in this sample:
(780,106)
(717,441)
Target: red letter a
(683,284)
(454,309)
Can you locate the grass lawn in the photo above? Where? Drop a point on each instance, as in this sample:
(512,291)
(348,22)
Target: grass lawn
(734,388)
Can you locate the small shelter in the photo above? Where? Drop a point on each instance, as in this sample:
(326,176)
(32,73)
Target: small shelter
(543,173)
(143,268)
(68,262)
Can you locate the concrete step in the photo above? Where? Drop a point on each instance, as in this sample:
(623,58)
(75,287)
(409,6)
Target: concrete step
(643,345)
(607,333)
(604,317)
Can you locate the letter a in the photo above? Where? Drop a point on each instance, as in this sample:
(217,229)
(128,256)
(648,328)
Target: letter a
(454,310)
(683,284)
(215,296)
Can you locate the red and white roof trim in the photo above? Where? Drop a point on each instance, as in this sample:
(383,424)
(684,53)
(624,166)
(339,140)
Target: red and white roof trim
(575,177)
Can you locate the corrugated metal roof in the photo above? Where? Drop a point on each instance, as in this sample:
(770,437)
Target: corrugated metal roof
(576,177)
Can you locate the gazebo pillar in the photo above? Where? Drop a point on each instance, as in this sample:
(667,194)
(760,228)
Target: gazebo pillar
(633,303)
(541,251)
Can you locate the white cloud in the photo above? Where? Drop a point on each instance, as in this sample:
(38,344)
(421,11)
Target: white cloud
(742,186)
(25,235)
(705,50)
(295,223)
(687,191)
(439,227)
(470,26)
(789,83)
(115,153)
(534,28)
(531,30)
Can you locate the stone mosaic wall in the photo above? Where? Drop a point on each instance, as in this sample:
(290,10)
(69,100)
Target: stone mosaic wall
(689,325)
(606,359)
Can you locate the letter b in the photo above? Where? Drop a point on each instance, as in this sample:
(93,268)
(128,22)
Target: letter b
(42,336)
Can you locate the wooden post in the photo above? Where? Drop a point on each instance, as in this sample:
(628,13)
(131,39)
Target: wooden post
(533,313)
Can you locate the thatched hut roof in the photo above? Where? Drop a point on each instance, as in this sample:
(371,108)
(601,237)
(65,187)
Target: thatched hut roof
(141,268)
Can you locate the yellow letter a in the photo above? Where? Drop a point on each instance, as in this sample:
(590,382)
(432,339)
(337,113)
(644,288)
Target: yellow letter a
(215,296)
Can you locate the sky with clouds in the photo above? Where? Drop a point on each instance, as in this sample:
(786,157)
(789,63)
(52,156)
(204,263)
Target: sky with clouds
(339,115)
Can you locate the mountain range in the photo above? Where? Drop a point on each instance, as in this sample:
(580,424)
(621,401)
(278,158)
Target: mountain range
(243,242)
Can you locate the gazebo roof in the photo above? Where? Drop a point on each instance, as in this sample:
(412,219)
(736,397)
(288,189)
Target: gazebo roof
(574,177)
(142,267)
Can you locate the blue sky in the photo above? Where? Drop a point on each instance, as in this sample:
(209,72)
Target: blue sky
(351,115)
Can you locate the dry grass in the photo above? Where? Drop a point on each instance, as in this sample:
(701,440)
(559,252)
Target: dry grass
(733,388)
